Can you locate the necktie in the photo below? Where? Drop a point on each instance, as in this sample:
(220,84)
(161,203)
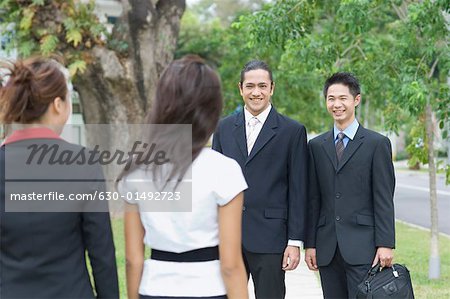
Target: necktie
(251,134)
(340,146)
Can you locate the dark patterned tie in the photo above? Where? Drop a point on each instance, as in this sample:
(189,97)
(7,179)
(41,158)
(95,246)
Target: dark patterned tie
(340,146)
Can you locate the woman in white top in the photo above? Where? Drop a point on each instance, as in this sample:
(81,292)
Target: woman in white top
(195,254)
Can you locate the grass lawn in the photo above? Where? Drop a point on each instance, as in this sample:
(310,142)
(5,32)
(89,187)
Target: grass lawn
(413,250)
(119,241)
(413,247)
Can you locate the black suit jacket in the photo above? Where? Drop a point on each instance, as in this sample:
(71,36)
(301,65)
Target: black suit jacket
(276,173)
(351,204)
(43,254)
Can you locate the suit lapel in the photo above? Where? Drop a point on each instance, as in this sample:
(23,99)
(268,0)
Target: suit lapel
(268,131)
(352,146)
(239,133)
(330,148)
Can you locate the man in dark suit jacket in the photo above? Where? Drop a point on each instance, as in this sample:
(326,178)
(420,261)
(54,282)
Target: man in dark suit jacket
(271,149)
(351,210)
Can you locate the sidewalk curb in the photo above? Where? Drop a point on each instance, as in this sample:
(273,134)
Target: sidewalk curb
(420,227)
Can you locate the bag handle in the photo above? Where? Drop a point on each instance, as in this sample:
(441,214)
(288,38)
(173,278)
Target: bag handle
(378,268)
(375,269)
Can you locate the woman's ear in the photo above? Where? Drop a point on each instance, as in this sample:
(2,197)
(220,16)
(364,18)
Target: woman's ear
(58,105)
(59,110)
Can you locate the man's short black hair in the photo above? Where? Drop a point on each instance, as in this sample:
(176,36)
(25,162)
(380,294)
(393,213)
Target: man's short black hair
(255,65)
(344,78)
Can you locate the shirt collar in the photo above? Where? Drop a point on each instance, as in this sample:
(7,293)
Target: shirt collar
(350,131)
(261,117)
(31,133)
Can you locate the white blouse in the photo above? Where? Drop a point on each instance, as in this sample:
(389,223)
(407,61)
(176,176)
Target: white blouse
(216,180)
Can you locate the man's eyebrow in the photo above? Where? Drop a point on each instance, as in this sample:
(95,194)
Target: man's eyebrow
(338,96)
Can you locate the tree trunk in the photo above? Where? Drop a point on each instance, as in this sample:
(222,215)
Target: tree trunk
(366,113)
(118,88)
(434,263)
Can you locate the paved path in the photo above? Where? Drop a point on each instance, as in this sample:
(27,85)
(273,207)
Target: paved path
(300,284)
(412,199)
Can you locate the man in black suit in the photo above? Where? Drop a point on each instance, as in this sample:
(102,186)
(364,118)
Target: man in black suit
(351,210)
(271,150)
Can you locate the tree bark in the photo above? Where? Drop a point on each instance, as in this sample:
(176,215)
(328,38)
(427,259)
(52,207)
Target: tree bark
(434,271)
(116,89)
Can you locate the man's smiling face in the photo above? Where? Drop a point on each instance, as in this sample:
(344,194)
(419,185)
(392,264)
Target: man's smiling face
(256,90)
(341,105)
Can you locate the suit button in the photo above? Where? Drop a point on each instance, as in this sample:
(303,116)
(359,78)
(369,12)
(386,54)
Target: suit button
(338,218)
(338,195)
(243,208)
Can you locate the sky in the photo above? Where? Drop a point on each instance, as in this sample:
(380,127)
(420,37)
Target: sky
(190,2)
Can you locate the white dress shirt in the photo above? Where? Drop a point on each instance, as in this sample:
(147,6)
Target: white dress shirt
(262,117)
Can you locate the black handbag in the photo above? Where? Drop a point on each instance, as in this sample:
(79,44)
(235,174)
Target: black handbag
(393,282)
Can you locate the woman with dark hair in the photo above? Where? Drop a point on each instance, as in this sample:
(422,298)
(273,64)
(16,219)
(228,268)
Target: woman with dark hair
(43,254)
(195,254)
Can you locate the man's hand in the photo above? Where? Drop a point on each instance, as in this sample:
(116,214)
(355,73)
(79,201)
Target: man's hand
(310,259)
(385,256)
(291,258)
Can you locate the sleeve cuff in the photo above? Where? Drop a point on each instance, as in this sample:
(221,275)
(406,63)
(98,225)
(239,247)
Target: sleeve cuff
(297,243)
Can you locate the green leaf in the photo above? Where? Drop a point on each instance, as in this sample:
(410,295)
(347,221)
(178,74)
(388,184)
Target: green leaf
(48,44)
(74,36)
(69,24)
(26,48)
(27,19)
(78,66)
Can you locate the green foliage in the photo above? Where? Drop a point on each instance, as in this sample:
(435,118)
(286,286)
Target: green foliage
(74,36)
(422,48)
(278,23)
(415,95)
(48,44)
(26,48)
(77,66)
(47,27)
(224,11)
(418,147)
(39,2)
(399,51)
(27,19)
(204,39)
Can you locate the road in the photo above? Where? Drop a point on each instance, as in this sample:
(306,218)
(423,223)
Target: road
(412,199)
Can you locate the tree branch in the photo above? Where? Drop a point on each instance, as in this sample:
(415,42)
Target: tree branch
(294,7)
(433,68)
(417,69)
(361,51)
(348,49)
